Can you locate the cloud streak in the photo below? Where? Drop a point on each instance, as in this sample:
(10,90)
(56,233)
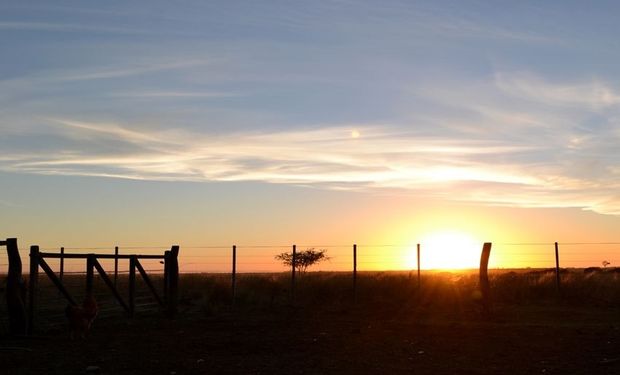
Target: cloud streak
(593,95)
(337,96)
(362,157)
(64,27)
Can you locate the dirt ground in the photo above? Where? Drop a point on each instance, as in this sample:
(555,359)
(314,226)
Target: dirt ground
(543,339)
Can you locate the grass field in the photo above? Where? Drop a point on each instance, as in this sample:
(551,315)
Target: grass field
(390,328)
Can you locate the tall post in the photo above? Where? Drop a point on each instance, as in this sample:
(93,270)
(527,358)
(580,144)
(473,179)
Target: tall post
(62,263)
(166,275)
(293,264)
(234,273)
(419,279)
(90,273)
(115,265)
(15,290)
(173,281)
(33,287)
(485,288)
(354,272)
(132,285)
(557,267)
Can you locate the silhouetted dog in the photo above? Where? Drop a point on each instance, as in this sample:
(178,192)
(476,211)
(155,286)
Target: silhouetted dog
(81,317)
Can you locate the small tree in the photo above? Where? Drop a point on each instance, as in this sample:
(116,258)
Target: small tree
(303,259)
(605,263)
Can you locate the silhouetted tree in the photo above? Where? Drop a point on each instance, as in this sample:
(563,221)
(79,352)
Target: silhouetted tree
(303,259)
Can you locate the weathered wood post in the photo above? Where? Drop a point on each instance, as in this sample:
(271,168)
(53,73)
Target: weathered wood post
(354,272)
(293,264)
(166,276)
(33,287)
(485,288)
(557,268)
(234,274)
(418,263)
(90,273)
(132,285)
(15,290)
(173,281)
(115,265)
(62,263)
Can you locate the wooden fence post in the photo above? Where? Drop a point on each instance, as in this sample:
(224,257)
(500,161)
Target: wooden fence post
(166,275)
(234,274)
(33,287)
(132,285)
(293,264)
(115,265)
(62,263)
(173,281)
(354,272)
(15,290)
(90,268)
(419,279)
(485,288)
(557,267)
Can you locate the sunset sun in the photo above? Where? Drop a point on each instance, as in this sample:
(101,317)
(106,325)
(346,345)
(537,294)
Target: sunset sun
(447,249)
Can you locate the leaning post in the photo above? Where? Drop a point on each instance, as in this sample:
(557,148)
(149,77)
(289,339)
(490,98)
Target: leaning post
(485,288)
(15,290)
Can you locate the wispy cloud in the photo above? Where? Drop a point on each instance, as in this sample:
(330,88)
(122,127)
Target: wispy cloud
(517,139)
(593,94)
(45,78)
(136,69)
(172,94)
(65,27)
(326,154)
(381,157)
(415,81)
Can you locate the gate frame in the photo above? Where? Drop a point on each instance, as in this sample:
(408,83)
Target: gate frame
(171,276)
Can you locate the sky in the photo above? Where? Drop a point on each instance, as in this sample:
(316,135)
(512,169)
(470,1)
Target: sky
(320,123)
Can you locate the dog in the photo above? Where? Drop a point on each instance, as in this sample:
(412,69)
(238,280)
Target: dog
(81,317)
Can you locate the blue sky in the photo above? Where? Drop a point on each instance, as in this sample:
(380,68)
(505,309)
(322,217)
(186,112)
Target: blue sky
(491,104)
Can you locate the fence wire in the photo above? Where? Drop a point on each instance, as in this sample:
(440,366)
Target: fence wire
(261,258)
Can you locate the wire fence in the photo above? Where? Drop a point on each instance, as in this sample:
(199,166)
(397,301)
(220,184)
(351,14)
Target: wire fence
(261,258)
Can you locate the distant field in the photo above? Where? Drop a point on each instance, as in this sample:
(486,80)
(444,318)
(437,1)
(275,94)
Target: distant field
(391,327)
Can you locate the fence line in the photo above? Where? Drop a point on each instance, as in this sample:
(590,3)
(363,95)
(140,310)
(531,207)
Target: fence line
(362,255)
(386,256)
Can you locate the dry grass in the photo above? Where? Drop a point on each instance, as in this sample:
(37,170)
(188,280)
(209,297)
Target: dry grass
(391,328)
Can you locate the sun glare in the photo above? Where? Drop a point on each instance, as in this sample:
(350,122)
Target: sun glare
(447,249)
